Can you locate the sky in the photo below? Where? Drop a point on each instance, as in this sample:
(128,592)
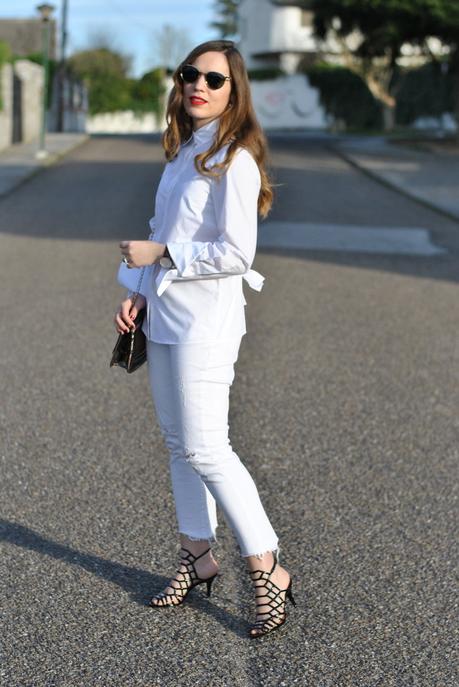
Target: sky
(131,23)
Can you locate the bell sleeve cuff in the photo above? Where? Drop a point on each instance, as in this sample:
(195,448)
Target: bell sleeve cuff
(235,198)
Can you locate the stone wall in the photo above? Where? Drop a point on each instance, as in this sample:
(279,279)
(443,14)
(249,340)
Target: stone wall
(6,115)
(22,92)
(20,118)
(31,77)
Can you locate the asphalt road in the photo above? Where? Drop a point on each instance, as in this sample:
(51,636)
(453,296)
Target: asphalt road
(344,408)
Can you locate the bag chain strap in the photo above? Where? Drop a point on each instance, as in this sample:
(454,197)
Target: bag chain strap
(141,276)
(138,287)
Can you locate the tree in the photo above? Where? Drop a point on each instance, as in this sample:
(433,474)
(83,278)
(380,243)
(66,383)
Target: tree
(105,74)
(371,33)
(172,45)
(148,91)
(227,19)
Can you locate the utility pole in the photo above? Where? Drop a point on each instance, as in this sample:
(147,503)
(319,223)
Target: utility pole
(45,14)
(62,67)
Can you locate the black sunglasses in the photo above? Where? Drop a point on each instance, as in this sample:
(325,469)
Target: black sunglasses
(214,80)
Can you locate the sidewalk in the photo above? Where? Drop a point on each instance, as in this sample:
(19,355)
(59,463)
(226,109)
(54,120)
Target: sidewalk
(18,162)
(429,172)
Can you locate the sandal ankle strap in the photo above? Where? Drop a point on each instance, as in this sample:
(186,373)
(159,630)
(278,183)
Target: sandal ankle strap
(265,571)
(195,558)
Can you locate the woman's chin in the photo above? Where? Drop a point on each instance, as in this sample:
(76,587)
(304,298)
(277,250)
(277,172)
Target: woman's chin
(199,112)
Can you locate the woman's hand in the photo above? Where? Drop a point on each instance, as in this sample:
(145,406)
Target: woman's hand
(140,253)
(126,313)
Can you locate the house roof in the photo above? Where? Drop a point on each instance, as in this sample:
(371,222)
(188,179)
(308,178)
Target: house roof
(25,36)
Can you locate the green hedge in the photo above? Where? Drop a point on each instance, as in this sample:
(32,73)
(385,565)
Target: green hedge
(265,73)
(345,96)
(5,56)
(424,92)
(147,93)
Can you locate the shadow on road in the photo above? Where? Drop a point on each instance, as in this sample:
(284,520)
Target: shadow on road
(105,191)
(134,581)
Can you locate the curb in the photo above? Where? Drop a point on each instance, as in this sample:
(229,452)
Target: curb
(57,156)
(47,162)
(412,195)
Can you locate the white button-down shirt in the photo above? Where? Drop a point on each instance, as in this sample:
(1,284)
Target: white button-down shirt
(210,228)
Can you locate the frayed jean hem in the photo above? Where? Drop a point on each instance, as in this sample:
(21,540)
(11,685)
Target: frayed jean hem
(260,555)
(212,539)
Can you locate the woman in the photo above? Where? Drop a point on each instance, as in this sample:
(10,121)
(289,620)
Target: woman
(205,230)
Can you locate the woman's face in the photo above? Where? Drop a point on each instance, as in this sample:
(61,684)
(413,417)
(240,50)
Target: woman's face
(201,102)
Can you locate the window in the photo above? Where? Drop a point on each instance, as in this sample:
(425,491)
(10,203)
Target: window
(306,18)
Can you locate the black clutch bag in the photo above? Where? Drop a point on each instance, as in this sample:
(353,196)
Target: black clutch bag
(130,350)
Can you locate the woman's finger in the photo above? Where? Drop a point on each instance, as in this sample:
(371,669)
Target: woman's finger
(122,322)
(120,326)
(126,313)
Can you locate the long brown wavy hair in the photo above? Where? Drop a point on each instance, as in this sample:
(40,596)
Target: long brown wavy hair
(238,124)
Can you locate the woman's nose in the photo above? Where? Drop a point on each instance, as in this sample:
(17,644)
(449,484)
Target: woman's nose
(200,82)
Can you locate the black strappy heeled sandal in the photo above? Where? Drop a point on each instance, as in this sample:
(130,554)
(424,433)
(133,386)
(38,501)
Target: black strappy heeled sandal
(189,580)
(276,616)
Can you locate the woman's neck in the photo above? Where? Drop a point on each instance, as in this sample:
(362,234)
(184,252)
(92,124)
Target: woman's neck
(199,123)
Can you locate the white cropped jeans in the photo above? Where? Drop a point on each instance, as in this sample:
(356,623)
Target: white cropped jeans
(190,385)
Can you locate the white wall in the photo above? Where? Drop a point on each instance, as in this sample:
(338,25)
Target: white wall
(280,103)
(126,122)
(286,102)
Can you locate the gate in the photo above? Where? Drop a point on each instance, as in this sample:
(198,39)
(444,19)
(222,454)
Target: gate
(16,135)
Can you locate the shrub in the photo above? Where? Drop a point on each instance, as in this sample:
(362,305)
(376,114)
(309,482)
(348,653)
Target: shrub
(345,96)
(265,73)
(424,92)
(104,73)
(5,55)
(148,91)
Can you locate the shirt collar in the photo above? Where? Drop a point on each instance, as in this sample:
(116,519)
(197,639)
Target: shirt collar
(205,133)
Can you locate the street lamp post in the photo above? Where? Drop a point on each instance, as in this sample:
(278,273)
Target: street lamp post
(62,68)
(45,14)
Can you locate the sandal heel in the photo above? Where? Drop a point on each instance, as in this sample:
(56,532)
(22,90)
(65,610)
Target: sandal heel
(209,583)
(289,594)
(187,581)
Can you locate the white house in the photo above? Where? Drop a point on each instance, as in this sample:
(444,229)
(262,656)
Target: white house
(278,33)
(274,34)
